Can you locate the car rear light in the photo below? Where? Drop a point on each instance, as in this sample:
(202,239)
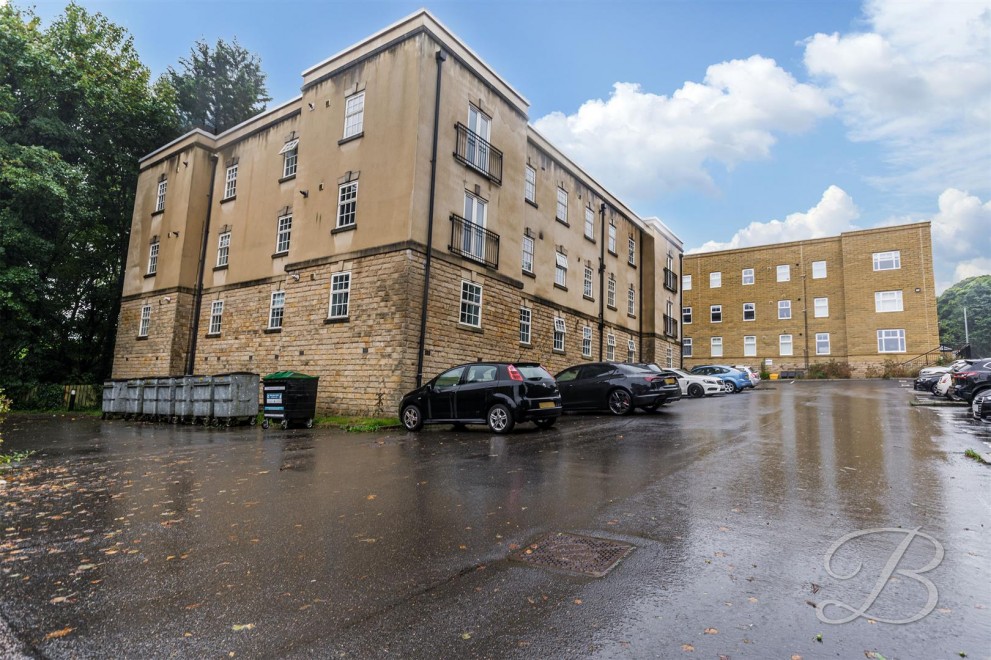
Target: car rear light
(963,375)
(514,373)
(653,379)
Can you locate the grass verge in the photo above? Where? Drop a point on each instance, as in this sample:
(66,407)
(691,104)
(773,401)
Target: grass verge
(970,453)
(357,424)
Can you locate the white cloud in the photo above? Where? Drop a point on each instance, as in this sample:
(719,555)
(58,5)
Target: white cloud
(972,268)
(961,237)
(834,213)
(647,142)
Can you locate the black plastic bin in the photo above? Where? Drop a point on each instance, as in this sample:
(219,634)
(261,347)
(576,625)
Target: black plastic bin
(289,398)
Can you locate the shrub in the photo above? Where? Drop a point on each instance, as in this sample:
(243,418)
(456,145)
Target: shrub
(831,369)
(891,369)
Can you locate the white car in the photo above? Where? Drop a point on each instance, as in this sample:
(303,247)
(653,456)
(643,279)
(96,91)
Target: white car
(753,375)
(697,386)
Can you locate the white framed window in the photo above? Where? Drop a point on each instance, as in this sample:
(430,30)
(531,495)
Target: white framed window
(750,346)
(153,257)
(686,282)
(891,341)
(163,185)
(670,357)
(716,347)
(354,114)
(612,239)
(471,304)
(888,301)
(785,345)
(562,205)
(611,291)
(748,276)
(560,269)
(223,249)
(631,351)
(472,233)
(631,301)
(887,260)
(587,341)
(276,309)
(290,155)
(822,343)
(610,347)
(820,307)
(282,234)
(784,309)
(347,204)
(216,316)
(230,182)
(559,330)
(749,311)
(589,224)
(527,254)
(715,313)
(530,185)
(686,347)
(818,270)
(526,317)
(145,322)
(340,295)
(479,129)
(686,315)
(632,248)
(587,284)
(784,273)
(715,280)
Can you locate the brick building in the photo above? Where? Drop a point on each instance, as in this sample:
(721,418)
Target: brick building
(398,217)
(862,297)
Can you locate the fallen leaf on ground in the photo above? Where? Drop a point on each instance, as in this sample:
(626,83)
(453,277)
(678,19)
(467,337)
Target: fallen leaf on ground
(465,635)
(687,648)
(237,627)
(711,631)
(752,599)
(578,601)
(58,634)
(371,497)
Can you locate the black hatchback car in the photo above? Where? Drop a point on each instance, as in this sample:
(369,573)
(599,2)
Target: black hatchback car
(499,394)
(972,379)
(614,386)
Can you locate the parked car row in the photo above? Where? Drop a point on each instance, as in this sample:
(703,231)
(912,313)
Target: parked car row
(502,394)
(963,379)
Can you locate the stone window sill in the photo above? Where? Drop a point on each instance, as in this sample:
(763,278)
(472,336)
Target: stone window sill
(287,178)
(470,328)
(341,230)
(147,275)
(212,335)
(530,273)
(277,255)
(531,203)
(352,138)
(228,199)
(142,337)
(272,331)
(558,286)
(154,213)
(338,319)
(216,268)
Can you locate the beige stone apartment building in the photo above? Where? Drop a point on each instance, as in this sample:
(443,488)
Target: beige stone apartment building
(400,216)
(862,297)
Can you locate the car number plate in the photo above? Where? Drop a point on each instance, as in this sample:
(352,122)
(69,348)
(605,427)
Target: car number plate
(546,404)
(670,381)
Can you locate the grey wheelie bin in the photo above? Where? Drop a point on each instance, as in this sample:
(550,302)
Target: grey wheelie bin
(235,398)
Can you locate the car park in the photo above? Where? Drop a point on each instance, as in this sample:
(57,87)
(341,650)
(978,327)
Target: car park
(692,385)
(734,380)
(615,386)
(498,394)
(980,407)
(972,379)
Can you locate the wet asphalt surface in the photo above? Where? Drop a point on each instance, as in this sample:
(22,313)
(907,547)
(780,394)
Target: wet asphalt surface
(123,539)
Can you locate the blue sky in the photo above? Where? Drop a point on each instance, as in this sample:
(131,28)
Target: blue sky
(735,122)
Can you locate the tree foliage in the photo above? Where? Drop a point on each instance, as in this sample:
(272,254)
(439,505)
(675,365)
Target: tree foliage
(218,88)
(975,294)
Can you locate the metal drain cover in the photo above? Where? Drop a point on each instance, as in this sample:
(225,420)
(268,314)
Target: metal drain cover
(585,555)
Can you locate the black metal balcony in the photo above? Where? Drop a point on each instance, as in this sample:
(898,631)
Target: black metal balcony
(474,242)
(670,280)
(670,326)
(478,154)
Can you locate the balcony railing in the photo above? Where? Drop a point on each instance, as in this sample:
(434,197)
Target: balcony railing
(477,153)
(670,326)
(474,241)
(670,280)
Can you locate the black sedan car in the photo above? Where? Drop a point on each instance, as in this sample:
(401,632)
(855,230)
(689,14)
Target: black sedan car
(981,406)
(495,393)
(614,386)
(927,383)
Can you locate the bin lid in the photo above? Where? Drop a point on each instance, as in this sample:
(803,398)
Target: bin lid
(286,375)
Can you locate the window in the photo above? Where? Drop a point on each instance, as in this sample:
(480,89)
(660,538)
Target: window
(347,204)
(160,198)
(216,316)
(822,343)
(821,307)
(784,273)
(527,254)
(686,315)
(612,239)
(560,270)
(631,351)
(784,345)
(670,357)
(888,301)
(885,260)
(153,257)
(145,321)
(632,247)
(748,276)
(587,341)
(686,282)
(354,115)
(479,129)
(340,295)
(587,288)
(589,224)
(449,378)
(276,309)
(223,249)
(290,153)
(749,311)
(715,313)
(818,270)
(559,335)
(716,347)
(282,235)
(562,205)
(472,235)
(750,346)
(784,309)
(686,347)
(631,301)
(715,280)
(525,318)
(611,291)
(530,186)
(230,182)
(471,304)
(890,341)
(610,347)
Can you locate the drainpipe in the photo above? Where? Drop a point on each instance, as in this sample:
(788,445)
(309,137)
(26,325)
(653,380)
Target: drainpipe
(678,278)
(440,57)
(640,302)
(194,328)
(602,275)
(805,306)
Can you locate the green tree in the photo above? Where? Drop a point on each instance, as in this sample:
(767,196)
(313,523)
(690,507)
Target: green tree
(218,88)
(974,293)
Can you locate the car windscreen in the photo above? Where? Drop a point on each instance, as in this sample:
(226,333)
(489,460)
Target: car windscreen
(533,372)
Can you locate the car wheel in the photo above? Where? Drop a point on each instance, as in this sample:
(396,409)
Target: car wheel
(620,402)
(545,423)
(309,422)
(284,424)
(727,387)
(412,418)
(934,389)
(500,419)
(265,424)
(696,391)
